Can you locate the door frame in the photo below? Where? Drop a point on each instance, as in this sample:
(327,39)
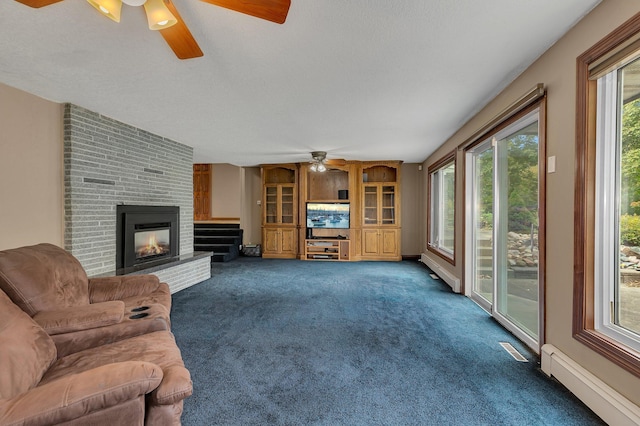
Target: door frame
(540,105)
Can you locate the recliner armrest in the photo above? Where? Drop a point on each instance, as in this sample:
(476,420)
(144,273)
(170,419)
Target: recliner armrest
(102,289)
(76,395)
(176,386)
(77,318)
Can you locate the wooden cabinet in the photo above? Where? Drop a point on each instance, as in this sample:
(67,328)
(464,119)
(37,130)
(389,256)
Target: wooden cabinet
(380,211)
(279,242)
(329,249)
(380,243)
(372,190)
(280,211)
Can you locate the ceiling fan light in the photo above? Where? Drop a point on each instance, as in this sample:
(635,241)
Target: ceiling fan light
(321,167)
(109,8)
(158,15)
(134,3)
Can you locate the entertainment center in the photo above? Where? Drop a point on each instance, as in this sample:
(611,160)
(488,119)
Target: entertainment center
(349,212)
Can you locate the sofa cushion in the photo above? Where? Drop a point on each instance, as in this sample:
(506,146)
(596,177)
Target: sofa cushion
(80,318)
(43,277)
(26,350)
(158,348)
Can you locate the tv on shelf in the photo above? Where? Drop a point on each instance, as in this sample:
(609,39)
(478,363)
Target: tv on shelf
(328,215)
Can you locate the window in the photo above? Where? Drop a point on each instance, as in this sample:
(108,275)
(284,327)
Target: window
(442,184)
(607,259)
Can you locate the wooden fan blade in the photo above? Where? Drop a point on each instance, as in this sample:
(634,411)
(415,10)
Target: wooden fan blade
(179,38)
(271,10)
(335,162)
(38,3)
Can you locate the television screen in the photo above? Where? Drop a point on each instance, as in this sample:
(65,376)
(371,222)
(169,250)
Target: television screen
(328,215)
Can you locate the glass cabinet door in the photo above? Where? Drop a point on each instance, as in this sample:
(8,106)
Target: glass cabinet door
(371,205)
(271,207)
(280,204)
(388,205)
(287,204)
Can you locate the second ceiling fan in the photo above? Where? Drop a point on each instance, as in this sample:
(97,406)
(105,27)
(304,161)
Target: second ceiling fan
(164,17)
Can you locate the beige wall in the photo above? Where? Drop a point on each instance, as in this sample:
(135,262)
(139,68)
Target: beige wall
(557,70)
(31,173)
(251,219)
(226,189)
(411,195)
(234,192)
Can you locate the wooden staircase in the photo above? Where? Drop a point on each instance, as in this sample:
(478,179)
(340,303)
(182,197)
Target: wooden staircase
(223,239)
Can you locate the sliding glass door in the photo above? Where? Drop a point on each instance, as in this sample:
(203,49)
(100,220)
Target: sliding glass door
(502,227)
(480,179)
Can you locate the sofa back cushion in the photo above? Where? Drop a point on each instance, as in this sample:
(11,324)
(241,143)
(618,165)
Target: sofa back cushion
(26,350)
(43,277)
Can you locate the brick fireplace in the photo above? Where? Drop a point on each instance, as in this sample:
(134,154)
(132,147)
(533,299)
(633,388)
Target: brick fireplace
(108,164)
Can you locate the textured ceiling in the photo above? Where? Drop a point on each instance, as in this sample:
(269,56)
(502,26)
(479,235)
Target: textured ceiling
(360,79)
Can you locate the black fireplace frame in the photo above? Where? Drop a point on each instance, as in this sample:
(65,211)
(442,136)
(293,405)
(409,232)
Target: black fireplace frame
(128,216)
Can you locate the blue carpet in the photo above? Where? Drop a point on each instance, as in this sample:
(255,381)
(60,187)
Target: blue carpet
(291,342)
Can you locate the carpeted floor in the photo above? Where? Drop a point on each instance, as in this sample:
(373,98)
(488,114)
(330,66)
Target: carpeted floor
(291,342)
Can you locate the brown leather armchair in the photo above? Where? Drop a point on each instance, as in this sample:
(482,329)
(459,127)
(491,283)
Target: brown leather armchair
(134,381)
(78,312)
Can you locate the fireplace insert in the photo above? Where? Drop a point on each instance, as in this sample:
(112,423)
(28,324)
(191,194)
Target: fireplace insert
(146,234)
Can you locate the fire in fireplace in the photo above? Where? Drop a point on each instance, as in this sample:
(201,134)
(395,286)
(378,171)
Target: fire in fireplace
(152,244)
(146,234)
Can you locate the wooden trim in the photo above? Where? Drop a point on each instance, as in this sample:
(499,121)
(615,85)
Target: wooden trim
(542,220)
(531,96)
(584,201)
(611,45)
(446,159)
(541,105)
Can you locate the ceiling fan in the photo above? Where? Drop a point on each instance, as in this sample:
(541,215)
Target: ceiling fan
(164,17)
(319,161)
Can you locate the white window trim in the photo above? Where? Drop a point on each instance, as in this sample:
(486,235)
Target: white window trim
(437,210)
(607,244)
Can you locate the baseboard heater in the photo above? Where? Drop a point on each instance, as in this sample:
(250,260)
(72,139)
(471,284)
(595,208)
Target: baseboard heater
(610,405)
(446,276)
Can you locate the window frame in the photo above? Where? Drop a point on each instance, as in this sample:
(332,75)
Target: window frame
(444,162)
(594,63)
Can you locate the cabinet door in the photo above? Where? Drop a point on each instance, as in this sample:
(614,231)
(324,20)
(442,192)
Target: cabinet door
(389,242)
(279,204)
(271,241)
(288,241)
(287,204)
(370,204)
(388,205)
(370,242)
(271,204)
(201,191)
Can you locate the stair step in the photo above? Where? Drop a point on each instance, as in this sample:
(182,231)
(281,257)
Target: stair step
(218,232)
(215,239)
(216,225)
(222,239)
(221,257)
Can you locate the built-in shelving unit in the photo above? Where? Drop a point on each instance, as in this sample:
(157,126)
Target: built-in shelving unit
(370,188)
(280,211)
(329,249)
(380,232)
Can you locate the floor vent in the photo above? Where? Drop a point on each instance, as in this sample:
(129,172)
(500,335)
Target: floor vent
(434,276)
(513,352)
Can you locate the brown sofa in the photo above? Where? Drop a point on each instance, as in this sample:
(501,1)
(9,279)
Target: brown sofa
(134,381)
(78,312)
